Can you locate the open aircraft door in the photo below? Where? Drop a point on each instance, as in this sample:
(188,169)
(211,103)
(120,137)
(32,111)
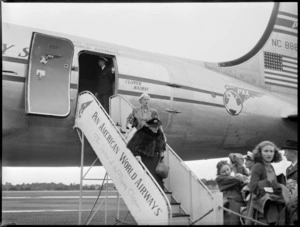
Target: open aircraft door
(48,82)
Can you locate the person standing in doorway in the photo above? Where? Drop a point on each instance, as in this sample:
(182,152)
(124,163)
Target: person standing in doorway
(105,81)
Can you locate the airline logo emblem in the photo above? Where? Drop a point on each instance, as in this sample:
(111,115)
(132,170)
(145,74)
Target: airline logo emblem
(234,98)
(83,107)
(45,58)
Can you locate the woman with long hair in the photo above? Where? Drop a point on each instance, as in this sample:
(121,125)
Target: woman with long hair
(268,194)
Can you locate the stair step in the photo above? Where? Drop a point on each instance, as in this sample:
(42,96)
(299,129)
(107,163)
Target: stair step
(180,219)
(175,208)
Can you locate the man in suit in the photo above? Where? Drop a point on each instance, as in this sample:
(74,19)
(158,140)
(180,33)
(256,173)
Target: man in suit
(105,82)
(291,154)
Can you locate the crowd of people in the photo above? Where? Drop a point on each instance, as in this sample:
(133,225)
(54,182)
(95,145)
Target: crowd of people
(252,189)
(248,182)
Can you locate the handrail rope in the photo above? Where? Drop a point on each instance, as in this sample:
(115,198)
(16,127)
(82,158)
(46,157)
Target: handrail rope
(91,218)
(123,222)
(87,219)
(207,213)
(91,167)
(251,219)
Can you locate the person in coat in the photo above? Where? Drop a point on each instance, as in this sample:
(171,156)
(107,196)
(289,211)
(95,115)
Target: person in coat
(291,154)
(105,82)
(148,145)
(268,195)
(292,206)
(141,114)
(231,187)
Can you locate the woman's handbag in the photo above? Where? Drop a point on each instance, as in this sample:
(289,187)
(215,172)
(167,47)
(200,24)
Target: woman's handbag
(162,170)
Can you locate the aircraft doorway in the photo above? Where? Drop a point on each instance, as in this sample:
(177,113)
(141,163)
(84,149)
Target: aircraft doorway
(101,82)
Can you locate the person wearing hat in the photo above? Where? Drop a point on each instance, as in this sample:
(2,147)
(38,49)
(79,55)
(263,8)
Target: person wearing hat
(148,145)
(249,161)
(105,82)
(141,114)
(291,154)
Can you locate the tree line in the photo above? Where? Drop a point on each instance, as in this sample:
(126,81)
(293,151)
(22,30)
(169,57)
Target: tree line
(211,184)
(53,187)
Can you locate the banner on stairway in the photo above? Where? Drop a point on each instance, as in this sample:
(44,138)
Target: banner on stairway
(141,195)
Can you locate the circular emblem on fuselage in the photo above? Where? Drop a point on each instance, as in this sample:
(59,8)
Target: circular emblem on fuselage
(232,102)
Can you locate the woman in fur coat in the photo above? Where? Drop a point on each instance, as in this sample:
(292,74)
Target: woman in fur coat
(148,145)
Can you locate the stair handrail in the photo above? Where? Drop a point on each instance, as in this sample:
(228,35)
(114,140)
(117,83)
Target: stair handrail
(190,171)
(190,184)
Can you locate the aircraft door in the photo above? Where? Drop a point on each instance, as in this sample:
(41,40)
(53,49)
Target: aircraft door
(48,82)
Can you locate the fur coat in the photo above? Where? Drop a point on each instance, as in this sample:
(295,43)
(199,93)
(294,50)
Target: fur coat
(146,142)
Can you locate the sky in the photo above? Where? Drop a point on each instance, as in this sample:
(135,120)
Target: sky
(212,32)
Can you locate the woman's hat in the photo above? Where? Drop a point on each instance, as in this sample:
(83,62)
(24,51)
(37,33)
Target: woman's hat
(249,156)
(290,144)
(103,59)
(236,158)
(154,122)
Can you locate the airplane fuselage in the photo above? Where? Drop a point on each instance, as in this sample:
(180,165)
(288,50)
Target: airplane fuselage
(205,114)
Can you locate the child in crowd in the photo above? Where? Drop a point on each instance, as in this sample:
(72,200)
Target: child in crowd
(237,164)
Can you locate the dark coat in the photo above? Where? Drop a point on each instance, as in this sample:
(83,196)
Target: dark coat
(231,187)
(266,207)
(292,172)
(105,80)
(146,142)
(259,180)
(232,197)
(149,146)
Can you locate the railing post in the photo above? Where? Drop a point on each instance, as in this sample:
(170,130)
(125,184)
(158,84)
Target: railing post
(118,205)
(191,196)
(106,200)
(81,176)
(218,212)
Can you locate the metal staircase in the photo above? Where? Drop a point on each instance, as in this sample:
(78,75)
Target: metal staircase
(185,200)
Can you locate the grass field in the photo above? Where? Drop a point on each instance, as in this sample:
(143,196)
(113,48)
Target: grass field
(60,208)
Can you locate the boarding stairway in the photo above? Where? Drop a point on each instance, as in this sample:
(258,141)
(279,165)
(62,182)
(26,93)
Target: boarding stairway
(185,200)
